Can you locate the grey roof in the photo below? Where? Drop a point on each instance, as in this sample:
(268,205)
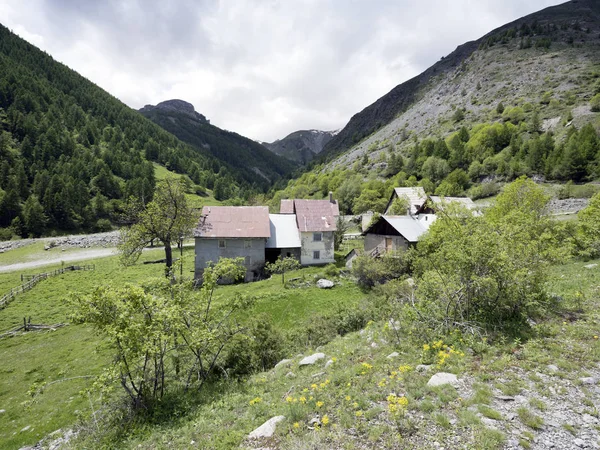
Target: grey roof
(284,231)
(416,197)
(411,227)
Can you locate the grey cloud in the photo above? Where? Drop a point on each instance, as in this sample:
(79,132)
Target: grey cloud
(262,69)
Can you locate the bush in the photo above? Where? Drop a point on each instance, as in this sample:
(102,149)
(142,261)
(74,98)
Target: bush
(103,225)
(595,103)
(484,190)
(372,271)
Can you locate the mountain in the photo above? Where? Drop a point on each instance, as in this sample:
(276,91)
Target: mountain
(552,53)
(522,100)
(71,154)
(301,146)
(249,159)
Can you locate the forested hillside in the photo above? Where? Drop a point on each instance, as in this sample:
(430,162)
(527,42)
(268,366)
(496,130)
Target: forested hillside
(522,100)
(251,161)
(70,153)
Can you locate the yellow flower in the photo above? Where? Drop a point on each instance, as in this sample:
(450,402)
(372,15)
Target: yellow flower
(305,390)
(313,386)
(255,400)
(334,359)
(303,399)
(325,419)
(403,401)
(289,399)
(595,337)
(426,347)
(355,404)
(358,413)
(319,404)
(348,398)
(322,385)
(296,425)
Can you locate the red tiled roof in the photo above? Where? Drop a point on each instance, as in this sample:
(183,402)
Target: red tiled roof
(234,222)
(316,215)
(286,206)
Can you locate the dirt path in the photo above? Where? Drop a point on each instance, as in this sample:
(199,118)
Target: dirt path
(58,258)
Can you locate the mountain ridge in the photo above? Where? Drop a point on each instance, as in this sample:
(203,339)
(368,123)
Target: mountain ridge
(301,146)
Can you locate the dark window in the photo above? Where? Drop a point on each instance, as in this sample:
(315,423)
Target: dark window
(222,244)
(316,254)
(317,237)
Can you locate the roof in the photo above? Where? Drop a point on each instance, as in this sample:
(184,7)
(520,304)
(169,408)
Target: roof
(416,197)
(465,201)
(410,227)
(234,222)
(286,206)
(284,233)
(316,215)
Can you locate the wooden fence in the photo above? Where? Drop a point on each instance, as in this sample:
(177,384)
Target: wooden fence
(32,280)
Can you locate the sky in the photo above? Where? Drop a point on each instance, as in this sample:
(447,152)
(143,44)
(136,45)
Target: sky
(260,68)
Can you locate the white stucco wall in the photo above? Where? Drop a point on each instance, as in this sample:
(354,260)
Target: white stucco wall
(325,246)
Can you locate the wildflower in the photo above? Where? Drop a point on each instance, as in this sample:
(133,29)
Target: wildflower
(403,401)
(255,400)
(348,398)
(325,419)
(289,399)
(358,413)
(296,425)
(405,368)
(595,337)
(305,390)
(314,386)
(426,347)
(319,404)
(382,383)
(303,399)
(334,359)
(355,404)
(322,385)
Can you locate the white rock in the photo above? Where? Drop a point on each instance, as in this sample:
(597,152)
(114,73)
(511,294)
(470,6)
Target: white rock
(552,368)
(283,362)
(2,411)
(290,375)
(579,442)
(267,429)
(442,378)
(374,345)
(423,367)
(588,380)
(590,266)
(324,284)
(328,363)
(310,360)
(393,355)
(25,428)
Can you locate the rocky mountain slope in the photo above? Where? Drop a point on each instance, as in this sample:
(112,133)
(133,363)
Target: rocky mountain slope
(254,162)
(301,146)
(547,62)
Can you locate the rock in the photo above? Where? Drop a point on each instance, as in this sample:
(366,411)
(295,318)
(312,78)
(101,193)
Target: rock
(267,429)
(441,378)
(491,423)
(319,374)
(423,367)
(310,360)
(283,362)
(324,284)
(393,355)
(579,442)
(290,375)
(2,411)
(588,380)
(591,266)
(328,363)
(25,428)
(374,345)
(552,368)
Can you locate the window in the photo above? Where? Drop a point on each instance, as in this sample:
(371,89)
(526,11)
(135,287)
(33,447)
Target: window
(316,254)
(317,237)
(247,244)
(222,243)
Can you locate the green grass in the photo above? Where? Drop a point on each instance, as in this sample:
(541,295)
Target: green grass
(194,200)
(75,351)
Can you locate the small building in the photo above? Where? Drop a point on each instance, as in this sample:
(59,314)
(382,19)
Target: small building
(316,222)
(285,238)
(232,232)
(395,233)
(416,198)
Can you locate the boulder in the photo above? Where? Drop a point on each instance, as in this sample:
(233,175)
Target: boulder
(591,266)
(310,360)
(324,284)
(393,355)
(423,367)
(441,378)
(328,363)
(267,429)
(283,362)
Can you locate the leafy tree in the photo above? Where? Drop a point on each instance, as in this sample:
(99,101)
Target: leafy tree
(167,218)
(282,266)
(34,217)
(589,228)
(341,227)
(595,103)
(399,206)
(369,200)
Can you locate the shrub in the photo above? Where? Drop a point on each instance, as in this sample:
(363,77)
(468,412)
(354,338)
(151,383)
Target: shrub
(371,271)
(595,103)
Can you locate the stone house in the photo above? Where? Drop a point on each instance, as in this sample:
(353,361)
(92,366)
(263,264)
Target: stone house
(316,222)
(395,233)
(231,232)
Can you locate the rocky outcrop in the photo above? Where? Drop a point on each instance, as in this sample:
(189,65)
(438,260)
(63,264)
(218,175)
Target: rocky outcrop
(177,106)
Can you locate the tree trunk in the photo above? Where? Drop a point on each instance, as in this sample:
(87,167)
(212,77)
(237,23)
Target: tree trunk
(168,254)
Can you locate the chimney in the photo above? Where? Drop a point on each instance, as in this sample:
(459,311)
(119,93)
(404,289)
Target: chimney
(330,197)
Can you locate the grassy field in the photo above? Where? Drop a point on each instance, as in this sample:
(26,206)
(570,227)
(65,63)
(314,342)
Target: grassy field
(195,201)
(38,358)
(354,397)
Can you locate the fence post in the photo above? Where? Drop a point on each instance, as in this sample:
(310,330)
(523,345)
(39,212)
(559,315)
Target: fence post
(24,324)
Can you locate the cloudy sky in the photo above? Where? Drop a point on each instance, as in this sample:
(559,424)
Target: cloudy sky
(260,68)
